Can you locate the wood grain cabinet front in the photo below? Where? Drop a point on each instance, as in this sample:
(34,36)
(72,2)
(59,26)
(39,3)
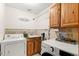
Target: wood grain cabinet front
(37,45)
(33,46)
(64,15)
(54,15)
(30,47)
(69,15)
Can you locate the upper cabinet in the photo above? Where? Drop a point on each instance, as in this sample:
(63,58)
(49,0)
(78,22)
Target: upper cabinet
(64,15)
(69,15)
(54,15)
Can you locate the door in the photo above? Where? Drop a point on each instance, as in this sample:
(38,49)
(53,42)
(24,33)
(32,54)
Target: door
(30,47)
(37,44)
(55,15)
(69,14)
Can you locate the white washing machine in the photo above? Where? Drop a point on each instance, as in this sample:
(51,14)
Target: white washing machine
(45,48)
(13,46)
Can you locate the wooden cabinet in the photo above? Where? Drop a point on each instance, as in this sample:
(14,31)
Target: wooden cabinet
(69,15)
(30,47)
(64,15)
(54,15)
(33,46)
(37,45)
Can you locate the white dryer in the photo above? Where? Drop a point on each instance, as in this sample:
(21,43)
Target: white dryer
(13,46)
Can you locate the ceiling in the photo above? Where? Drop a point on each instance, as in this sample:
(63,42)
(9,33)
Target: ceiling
(34,8)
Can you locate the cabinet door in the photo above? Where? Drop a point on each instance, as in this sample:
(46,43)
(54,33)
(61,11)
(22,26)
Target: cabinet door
(37,45)
(69,14)
(55,15)
(30,47)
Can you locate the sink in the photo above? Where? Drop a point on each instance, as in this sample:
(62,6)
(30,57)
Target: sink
(68,41)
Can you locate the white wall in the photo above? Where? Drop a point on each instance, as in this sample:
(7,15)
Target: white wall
(1,21)
(12,19)
(42,21)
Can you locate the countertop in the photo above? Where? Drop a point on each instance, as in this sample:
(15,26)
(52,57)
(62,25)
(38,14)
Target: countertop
(32,36)
(63,46)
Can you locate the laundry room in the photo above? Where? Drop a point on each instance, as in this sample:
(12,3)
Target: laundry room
(39,29)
